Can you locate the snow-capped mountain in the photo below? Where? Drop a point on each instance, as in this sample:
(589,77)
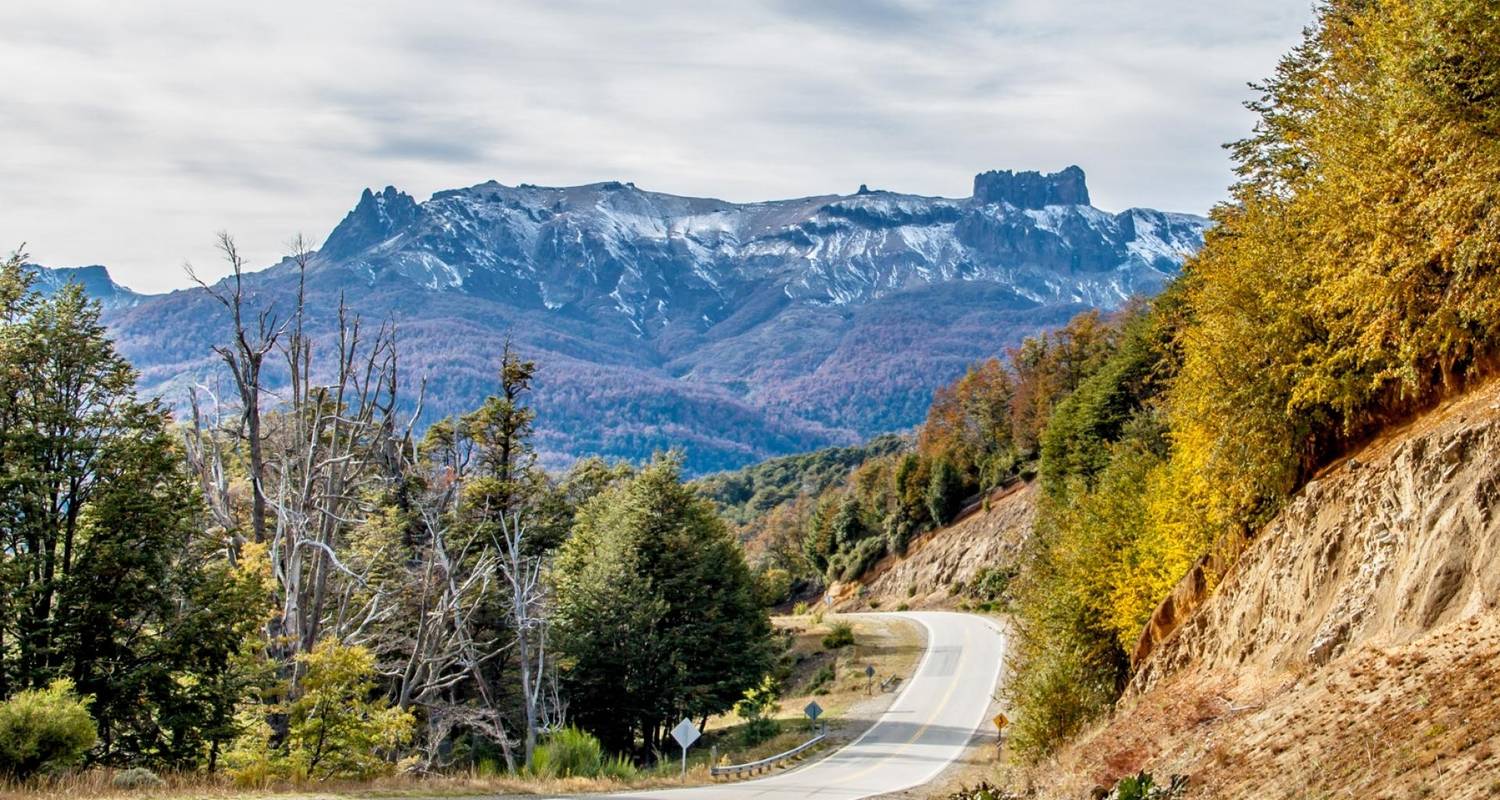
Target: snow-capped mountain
(733,330)
(659,260)
(94,279)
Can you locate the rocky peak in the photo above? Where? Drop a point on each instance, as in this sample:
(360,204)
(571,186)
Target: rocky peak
(1032,189)
(94,279)
(374,219)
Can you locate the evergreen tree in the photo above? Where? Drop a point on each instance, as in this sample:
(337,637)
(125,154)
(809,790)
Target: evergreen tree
(500,429)
(103,576)
(945,492)
(657,616)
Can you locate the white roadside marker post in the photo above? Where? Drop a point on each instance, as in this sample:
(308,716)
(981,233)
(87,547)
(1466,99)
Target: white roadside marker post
(685,733)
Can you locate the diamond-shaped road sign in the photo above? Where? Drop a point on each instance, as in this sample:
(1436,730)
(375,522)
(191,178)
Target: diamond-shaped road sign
(870,671)
(813,711)
(686,733)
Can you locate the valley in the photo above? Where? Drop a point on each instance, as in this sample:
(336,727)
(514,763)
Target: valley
(591,489)
(732,331)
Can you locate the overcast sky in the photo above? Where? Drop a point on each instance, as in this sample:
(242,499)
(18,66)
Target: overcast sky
(132,131)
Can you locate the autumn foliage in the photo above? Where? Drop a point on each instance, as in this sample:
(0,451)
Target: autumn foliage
(1351,282)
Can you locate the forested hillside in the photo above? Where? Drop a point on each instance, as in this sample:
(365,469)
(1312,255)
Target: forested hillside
(733,331)
(746,494)
(1353,281)
(812,521)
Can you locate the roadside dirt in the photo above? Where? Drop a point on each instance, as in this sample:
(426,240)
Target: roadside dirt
(1352,651)
(940,563)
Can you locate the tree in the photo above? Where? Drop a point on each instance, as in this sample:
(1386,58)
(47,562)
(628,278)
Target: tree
(314,461)
(339,725)
(522,584)
(657,616)
(505,471)
(945,492)
(848,525)
(1048,367)
(969,424)
(249,344)
(102,561)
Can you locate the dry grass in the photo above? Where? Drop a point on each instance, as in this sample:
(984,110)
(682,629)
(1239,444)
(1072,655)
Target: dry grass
(892,646)
(95,784)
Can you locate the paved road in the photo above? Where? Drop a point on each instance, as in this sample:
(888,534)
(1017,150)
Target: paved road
(925,729)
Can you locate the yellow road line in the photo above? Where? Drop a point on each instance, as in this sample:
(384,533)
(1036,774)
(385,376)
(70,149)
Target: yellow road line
(942,704)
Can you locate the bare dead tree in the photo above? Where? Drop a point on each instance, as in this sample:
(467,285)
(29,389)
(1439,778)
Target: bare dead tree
(204,446)
(521,575)
(324,459)
(328,439)
(254,335)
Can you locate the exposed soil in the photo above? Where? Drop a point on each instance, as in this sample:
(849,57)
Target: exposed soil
(939,563)
(1352,651)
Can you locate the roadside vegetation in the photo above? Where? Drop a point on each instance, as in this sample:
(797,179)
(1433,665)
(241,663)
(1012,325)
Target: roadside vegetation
(292,588)
(1353,280)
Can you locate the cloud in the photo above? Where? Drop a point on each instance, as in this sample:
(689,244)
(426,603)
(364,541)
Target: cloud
(134,131)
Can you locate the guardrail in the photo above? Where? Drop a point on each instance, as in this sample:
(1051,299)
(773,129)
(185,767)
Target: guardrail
(769,761)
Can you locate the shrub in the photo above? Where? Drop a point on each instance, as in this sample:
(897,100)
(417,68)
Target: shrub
(840,634)
(821,679)
(1142,786)
(835,572)
(861,558)
(44,730)
(990,583)
(335,728)
(899,530)
(618,768)
(757,709)
(800,609)
(773,586)
(984,791)
(1055,694)
(137,778)
(572,753)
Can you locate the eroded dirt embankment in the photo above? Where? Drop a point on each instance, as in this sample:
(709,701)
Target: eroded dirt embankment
(939,563)
(1352,650)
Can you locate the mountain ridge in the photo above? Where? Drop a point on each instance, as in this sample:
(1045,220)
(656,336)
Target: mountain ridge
(738,330)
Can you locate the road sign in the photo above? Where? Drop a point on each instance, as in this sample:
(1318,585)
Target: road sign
(869,679)
(870,671)
(1001,721)
(685,733)
(813,710)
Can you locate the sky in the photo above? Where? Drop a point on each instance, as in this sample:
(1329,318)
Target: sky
(133,132)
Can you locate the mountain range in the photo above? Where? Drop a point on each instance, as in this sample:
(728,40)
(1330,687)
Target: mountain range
(735,331)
